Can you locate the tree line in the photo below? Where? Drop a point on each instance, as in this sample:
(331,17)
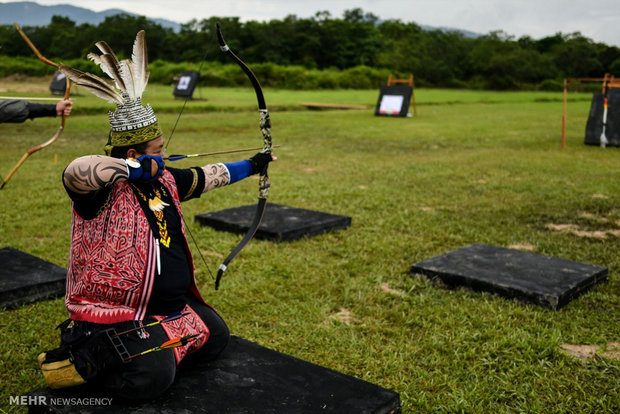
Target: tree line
(437,58)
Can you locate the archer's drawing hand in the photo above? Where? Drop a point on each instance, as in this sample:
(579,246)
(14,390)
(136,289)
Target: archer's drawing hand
(64,107)
(145,168)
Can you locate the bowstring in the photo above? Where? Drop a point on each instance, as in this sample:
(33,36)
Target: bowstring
(197,247)
(174,127)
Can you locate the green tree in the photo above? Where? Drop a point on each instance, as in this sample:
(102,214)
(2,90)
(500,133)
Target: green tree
(358,41)
(577,56)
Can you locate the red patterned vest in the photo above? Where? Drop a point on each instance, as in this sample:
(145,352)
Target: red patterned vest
(113,257)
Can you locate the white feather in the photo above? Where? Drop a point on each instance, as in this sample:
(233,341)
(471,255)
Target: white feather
(93,83)
(109,65)
(140,63)
(130,76)
(126,71)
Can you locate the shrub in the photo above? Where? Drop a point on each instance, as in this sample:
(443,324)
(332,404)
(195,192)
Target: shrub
(552,85)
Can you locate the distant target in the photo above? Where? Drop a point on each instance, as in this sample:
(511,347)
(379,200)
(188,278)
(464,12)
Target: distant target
(186,84)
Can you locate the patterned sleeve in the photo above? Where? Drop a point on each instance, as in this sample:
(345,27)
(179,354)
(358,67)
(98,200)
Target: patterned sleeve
(190,182)
(216,175)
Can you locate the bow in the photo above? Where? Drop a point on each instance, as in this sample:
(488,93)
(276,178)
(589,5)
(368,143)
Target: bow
(263,183)
(62,122)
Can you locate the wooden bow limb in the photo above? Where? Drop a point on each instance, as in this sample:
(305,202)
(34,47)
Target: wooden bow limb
(62,122)
(34,48)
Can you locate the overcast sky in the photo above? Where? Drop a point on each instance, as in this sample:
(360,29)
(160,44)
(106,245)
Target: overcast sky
(598,20)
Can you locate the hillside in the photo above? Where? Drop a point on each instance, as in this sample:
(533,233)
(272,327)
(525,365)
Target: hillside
(28,13)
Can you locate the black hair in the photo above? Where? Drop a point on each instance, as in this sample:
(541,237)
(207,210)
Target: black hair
(121,152)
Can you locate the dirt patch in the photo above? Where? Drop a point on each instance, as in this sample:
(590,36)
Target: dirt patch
(579,351)
(211,253)
(387,289)
(578,231)
(593,217)
(343,316)
(562,227)
(523,246)
(611,350)
(603,196)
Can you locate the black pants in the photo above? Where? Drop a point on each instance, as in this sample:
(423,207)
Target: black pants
(150,375)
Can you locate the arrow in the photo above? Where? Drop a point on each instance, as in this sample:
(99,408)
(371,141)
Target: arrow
(173,343)
(169,318)
(177,157)
(29,98)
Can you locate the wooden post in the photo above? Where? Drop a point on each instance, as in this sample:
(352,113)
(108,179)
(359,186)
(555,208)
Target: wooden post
(608,81)
(415,108)
(392,81)
(604,88)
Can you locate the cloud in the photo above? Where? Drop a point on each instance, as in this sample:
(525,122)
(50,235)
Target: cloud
(537,18)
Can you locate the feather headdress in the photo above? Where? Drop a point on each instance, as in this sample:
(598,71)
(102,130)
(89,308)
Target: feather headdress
(131,123)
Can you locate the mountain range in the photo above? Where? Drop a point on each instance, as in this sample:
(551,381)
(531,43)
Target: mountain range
(28,13)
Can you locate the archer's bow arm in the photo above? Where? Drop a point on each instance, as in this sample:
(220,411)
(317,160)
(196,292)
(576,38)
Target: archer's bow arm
(218,175)
(92,173)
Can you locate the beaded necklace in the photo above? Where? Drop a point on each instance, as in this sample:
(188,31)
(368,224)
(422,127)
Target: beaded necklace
(157,206)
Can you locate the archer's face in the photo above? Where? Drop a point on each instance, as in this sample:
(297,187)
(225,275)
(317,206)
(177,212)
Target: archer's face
(155,147)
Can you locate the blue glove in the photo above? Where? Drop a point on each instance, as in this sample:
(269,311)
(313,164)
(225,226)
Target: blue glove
(140,169)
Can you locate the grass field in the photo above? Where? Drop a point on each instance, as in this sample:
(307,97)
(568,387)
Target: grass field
(472,167)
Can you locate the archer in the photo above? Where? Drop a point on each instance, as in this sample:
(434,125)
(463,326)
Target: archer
(130,264)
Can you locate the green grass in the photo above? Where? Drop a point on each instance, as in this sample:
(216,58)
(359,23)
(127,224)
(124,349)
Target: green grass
(473,167)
